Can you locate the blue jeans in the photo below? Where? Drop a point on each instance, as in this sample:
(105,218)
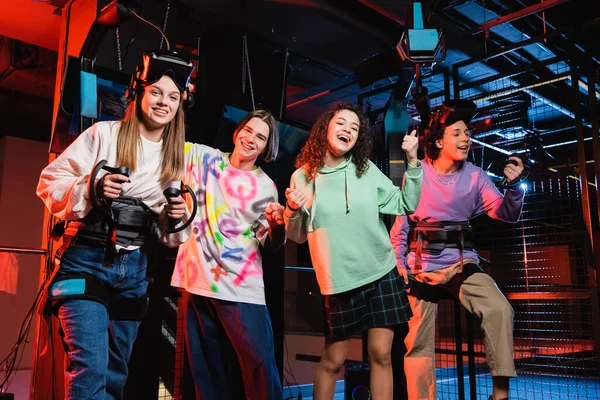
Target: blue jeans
(97,347)
(217,332)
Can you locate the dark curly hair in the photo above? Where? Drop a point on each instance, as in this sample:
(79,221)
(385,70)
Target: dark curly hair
(312,156)
(433,133)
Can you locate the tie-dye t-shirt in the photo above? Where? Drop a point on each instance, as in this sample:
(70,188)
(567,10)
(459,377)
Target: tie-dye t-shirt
(221,258)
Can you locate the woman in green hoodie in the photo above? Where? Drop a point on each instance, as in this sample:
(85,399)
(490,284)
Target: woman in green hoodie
(334,201)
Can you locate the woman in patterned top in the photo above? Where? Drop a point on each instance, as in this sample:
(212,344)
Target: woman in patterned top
(220,266)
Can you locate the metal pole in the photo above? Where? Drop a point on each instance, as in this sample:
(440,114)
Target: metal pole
(23,250)
(593,276)
(519,14)
(460,371)
(592,108)
(585,196)
(447,83)
(513,72)
(321,94)
(510,48)
(471,355)
(455,82)
(526,88)
(390,86)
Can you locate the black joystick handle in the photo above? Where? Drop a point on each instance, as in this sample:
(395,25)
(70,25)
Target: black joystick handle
(100,201)
(172,192)
(521,178)
(117,170)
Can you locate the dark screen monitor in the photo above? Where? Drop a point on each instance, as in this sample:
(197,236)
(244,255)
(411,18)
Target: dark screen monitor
(111,86)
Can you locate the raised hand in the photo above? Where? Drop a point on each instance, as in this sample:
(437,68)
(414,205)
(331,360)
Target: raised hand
(512,171)
(295,198)
(410,145)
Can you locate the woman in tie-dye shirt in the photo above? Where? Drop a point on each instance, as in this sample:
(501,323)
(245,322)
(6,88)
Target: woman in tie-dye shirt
(220,265)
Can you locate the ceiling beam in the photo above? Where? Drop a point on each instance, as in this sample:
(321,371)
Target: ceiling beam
(519,14)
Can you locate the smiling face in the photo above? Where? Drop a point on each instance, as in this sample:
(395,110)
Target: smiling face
(342,132)
(251,140)
(455,143)
(160,102)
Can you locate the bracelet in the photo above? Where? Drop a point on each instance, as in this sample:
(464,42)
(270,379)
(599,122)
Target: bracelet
(291,208)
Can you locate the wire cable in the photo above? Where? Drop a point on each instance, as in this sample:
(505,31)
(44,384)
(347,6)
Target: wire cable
(155,27)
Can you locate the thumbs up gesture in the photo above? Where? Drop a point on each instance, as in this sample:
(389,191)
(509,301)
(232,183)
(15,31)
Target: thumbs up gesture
(410,144)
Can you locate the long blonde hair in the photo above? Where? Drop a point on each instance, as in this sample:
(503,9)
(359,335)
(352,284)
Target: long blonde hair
(129,141)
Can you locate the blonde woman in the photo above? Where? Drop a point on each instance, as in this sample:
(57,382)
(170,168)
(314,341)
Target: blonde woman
(99,291)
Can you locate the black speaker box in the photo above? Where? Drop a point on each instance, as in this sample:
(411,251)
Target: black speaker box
(356,382)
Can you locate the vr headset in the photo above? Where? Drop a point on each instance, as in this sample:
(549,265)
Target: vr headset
(156,64)
(452,111)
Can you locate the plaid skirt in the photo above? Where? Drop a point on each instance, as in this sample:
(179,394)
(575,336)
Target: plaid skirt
(382,303)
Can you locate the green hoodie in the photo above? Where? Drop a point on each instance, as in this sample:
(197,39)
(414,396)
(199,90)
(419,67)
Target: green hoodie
(348,241)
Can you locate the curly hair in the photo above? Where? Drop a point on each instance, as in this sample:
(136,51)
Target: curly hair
(433,133)
(312,156)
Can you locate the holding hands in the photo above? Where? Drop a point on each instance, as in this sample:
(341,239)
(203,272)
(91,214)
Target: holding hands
(410,144)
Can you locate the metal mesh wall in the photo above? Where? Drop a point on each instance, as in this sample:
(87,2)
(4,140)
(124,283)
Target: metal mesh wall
(543,270)
(543,263)
(174,380)
(173,347)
